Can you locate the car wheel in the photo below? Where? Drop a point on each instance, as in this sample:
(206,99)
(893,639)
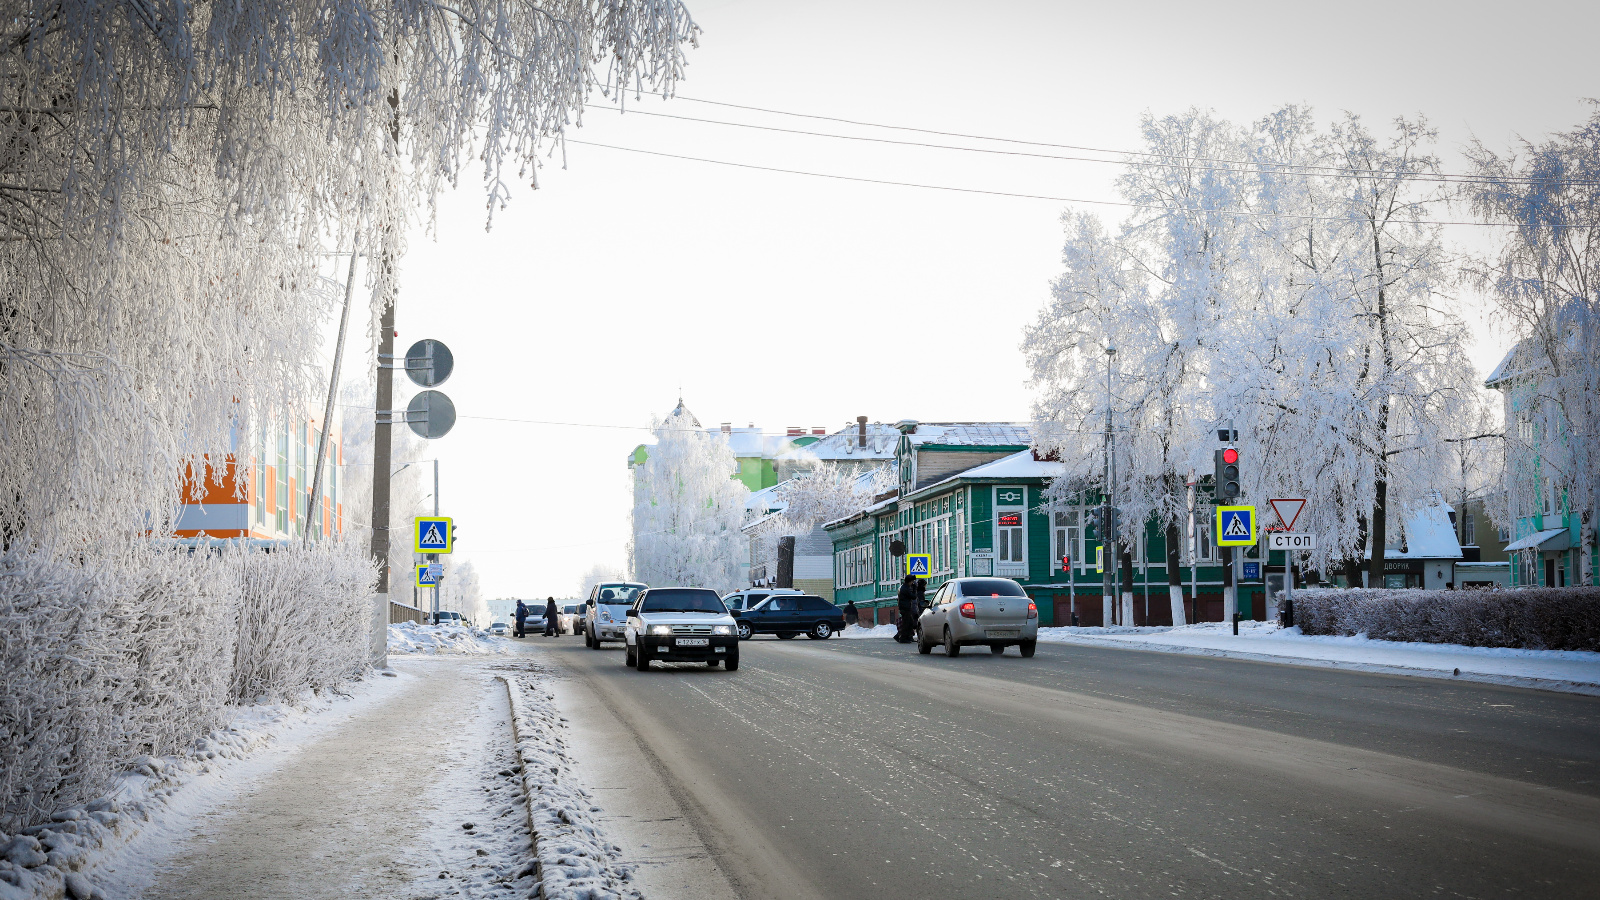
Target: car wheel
(951,648)
(630,660)
(923,646)
(997,649)
(788,635)
(642,654)
(732,663)
(820,631)
(745,631)
(1027,648)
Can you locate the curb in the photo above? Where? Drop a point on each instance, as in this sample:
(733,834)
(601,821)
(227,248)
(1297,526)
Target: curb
(1521,681)
(527,798)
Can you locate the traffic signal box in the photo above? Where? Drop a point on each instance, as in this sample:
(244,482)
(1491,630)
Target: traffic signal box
(1227,483)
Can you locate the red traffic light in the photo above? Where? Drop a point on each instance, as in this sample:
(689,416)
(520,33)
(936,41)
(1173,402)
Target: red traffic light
(1230,456)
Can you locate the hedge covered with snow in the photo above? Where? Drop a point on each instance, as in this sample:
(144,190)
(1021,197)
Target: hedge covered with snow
(106,660)
(1532,618)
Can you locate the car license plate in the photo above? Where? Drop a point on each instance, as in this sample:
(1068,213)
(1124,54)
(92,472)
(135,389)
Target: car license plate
(1003,632)
(694,642)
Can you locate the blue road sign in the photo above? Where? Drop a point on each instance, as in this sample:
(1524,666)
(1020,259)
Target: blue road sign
(1252,571)
(1236,526)
(425,576)
(431,534)
(918,564)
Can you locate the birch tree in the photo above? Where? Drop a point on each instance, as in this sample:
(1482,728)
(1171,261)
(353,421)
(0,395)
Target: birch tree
(1545,281)
(687,509)
(820,494)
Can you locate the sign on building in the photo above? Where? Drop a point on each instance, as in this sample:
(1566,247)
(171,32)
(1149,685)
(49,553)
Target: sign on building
(1236,526)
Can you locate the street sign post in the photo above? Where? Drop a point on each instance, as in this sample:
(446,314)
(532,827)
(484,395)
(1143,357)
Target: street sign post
(918,564)
(429,363)
(1291,540)
(1236,526)
(431,414)
(431,534)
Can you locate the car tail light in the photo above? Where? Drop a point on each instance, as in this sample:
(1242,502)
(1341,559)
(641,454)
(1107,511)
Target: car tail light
(968,611)
(1033,610)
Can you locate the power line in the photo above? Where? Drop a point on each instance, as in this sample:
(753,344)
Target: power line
(982,191)
(1167,162)
(1308,169)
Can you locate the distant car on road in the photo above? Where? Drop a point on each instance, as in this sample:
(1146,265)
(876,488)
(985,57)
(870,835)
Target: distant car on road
(791,615)
(446,617)
(979,612)
(750,597)
(532,620)
(605,612)
(680,625)
(571,619)
(498,628)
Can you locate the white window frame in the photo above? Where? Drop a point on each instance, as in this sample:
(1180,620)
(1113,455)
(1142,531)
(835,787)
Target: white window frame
(1005,567)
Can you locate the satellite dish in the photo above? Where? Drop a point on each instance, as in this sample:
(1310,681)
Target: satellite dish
(429,363)
(431,414)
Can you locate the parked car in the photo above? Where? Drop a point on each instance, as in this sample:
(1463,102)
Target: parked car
(749,597)
(979,612)
(605,612)
(532,620)
(498,628)
(791,615)
(680,625)
(445,617)
(571,619)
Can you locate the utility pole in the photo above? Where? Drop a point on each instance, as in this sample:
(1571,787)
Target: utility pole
(434,557)
(1108,557)
(381,438)
(333,384)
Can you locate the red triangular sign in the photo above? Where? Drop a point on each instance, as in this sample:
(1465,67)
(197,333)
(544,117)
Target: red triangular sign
(1287,511)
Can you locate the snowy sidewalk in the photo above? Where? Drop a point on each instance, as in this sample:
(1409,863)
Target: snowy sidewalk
(1560,670)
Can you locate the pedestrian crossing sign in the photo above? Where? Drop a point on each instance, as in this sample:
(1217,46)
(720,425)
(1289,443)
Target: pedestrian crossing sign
(425,577)
(432,534)
(1236,526)
(918,564)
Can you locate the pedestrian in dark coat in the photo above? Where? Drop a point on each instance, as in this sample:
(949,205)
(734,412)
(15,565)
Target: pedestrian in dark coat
(552,624)
(907,599)
(852,616)
(522,610)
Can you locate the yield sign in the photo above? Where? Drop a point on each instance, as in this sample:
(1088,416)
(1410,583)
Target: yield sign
(1288,511)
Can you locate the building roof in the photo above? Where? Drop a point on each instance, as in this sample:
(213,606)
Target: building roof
(1517,363)
(844,445)
(1017,465)
(972,434)
(1429,534)
(1550,539)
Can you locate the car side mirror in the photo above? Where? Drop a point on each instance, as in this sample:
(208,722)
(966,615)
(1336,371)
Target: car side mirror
(737,614)
(633,614)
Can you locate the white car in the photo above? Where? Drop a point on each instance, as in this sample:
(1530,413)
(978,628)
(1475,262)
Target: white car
(979,612)
(571,618)
(606,612)
(681,625)
(498,629)
(446,617)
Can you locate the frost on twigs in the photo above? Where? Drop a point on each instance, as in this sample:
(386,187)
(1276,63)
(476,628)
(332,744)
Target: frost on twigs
(1533,619)
(115,657)
(687,509)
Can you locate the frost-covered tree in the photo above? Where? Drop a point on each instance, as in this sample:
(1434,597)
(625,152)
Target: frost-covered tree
(687,509)
(171,174)
(1545,280)
(597,573)
(819,494)
(463,592)
(410,483)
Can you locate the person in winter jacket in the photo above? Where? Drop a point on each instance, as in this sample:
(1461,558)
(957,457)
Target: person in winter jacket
(552,624)
(522,610)
(907,599)
(852,616)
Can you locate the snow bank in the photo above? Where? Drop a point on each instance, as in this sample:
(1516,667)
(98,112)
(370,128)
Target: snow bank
(576,859)
(137,651)
(52,859)
(410,637)
(1569,670)
(861,631)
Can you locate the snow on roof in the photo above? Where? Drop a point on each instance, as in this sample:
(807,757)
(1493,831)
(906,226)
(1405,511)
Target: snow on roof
(1517,362)
(1428,534)
(1017,465)
(842,444)
(973,434)
(768,498)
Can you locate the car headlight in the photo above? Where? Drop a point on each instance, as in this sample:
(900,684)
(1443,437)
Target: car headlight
(722,629)
(605,615)
(660,629)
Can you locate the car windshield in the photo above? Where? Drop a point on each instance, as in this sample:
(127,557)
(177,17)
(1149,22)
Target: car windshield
(991,587)
(619,594)
(683,600)
(570,608)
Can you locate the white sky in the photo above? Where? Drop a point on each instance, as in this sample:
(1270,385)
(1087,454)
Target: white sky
(787,300)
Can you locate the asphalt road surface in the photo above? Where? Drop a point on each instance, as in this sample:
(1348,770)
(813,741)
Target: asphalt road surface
(859,769)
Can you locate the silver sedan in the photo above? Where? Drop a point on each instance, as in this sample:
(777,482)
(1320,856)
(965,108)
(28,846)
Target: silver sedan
(972,612)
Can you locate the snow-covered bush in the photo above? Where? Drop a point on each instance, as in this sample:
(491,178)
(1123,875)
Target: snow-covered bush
(1535,619)
(108,657)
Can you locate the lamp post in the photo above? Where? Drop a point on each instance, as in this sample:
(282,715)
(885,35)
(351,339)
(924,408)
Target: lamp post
(1108,558)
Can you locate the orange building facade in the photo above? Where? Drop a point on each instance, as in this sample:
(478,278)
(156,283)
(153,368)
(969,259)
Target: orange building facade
(263,489)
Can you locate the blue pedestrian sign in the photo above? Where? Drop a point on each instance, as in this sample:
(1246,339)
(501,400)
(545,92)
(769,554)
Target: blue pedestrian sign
(425,576)
(431,534)
(1236,526)
(918,564)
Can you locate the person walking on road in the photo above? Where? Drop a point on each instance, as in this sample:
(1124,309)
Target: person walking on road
(552,624)
(522,610)
(852,616)
(907,599)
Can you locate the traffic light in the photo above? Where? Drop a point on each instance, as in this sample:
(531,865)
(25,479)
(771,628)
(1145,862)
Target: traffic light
(452,534)
(1227,460)
(1107,523)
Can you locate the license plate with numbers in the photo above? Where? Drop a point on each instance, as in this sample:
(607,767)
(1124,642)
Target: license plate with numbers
(694,642)
(1004,632)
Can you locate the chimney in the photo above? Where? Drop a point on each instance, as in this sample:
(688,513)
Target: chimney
(861,432)
(819,431)
(727,428)
(796,431)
